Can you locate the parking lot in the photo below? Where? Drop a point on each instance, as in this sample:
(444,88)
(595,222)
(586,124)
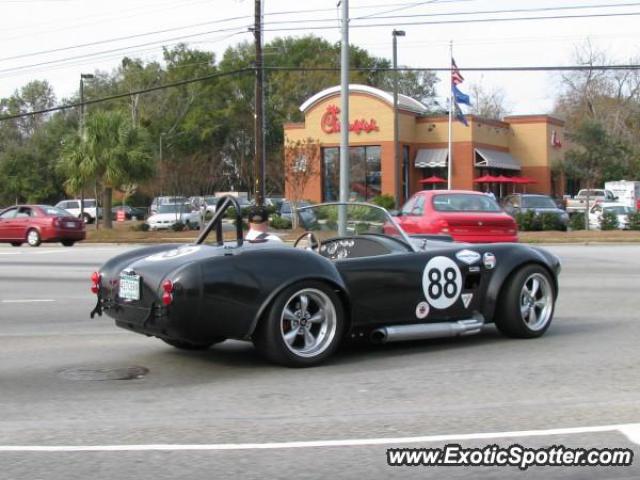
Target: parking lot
(226,412)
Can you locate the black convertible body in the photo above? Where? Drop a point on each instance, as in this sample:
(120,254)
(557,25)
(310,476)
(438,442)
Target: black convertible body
(297,304)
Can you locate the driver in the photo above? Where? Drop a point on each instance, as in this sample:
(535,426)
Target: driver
(258,224)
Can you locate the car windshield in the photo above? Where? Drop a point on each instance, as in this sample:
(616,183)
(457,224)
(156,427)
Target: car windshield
(174,208)
(538,202)
(55,212)
(360,219)
(619,210)
(464,202)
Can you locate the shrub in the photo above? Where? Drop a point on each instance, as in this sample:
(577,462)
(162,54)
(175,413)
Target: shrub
(141,227)
(385,201)
(634,221)
(280,223)
(178,227)
(550,221)
(528,221)
(609,221)
(576,222)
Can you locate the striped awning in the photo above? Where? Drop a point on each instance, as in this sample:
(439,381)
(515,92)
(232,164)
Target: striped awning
(496,159)
(431,157)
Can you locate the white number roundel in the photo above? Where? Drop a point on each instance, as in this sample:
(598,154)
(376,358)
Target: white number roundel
(441,282)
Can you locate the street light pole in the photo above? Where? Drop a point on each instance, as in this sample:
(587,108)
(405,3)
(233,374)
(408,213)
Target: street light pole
(84,76)
(396,144)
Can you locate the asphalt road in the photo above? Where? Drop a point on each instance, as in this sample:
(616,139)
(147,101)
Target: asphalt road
(203,408)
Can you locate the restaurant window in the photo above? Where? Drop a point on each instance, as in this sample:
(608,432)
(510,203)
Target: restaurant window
(365,177)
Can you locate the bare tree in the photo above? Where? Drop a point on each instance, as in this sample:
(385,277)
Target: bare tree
(301,164)
(488,102)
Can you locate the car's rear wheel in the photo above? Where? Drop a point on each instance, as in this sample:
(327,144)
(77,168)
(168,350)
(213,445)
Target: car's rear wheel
(16,244)
(67,243)
(184,345)
(303,325)
(33,238)
(86,218)
(527,303)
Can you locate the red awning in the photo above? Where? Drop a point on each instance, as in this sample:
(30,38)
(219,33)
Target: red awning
(432,179)
(486,179)
(503,179)
(523,180)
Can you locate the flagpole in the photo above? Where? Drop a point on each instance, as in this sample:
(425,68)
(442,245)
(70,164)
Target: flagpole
(450,152)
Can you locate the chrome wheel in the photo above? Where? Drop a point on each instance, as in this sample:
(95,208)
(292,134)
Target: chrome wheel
(308,322)
(536,301)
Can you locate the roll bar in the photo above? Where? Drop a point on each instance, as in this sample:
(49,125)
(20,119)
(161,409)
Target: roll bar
(223,204)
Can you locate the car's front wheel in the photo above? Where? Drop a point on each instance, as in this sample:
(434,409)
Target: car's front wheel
(527,303)
(303,325)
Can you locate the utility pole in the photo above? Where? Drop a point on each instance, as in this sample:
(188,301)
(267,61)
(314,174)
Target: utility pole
(344,120)
(84,76)
(259,132)
(396,144)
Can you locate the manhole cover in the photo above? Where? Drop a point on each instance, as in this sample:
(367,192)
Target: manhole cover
(90,373)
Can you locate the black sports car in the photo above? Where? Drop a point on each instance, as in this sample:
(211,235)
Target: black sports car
(352,274)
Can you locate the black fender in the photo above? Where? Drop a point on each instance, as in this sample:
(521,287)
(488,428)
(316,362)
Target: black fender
(510,259)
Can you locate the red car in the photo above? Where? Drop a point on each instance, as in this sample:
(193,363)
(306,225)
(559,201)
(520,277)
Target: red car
(35,224)
(466,216)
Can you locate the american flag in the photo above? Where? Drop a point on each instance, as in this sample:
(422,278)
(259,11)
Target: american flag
(456,77)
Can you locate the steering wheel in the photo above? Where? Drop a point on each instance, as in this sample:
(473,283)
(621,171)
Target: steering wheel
(312,238)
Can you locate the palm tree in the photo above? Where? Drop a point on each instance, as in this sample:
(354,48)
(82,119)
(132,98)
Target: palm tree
(113,152)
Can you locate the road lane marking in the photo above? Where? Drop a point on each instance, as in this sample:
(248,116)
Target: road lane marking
(631,431)
(28,300)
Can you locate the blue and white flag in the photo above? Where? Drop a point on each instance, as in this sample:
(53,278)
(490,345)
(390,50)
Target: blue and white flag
(459,96)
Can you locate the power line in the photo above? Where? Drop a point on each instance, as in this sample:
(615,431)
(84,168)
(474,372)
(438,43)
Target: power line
(123,95)
(377,16)
(325,69)
(475,20)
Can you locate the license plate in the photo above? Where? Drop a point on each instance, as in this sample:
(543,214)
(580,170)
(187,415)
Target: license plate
(70,224)
(129,287)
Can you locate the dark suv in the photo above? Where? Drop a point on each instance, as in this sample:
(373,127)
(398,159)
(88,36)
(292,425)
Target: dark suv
(524,202)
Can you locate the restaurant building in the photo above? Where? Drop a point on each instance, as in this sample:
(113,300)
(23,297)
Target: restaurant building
(519,150)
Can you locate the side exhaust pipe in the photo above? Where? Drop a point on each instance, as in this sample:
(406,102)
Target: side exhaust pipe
(421,331)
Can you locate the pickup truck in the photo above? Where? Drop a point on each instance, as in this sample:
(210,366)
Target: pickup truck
(579,202)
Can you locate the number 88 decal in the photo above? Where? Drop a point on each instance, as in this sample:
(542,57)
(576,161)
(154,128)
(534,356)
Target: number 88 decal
(441,282)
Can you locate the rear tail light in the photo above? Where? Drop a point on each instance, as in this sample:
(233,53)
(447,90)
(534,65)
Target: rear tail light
(442,226)
(95,280)
(56,222)
(167,296)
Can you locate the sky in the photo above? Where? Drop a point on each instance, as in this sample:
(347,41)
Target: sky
(57,40)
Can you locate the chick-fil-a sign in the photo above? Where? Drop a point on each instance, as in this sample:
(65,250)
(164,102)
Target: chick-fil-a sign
(330,123)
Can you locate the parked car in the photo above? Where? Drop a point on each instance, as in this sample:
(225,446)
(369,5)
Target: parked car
(466,216)
(156,202)
(539,204)
(171,213)
(299,302)
(210,202)
(305,215)
(35,224)
(620,210)
(130,213)
(579,202)
(91,209)
(626,191)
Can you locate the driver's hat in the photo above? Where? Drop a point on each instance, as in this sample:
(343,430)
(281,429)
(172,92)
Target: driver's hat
(258,214)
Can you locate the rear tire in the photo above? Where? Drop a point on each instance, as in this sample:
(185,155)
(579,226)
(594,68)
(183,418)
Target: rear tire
(86,218)
(526,304)
(67,243)
(184,345)
(33,238)
(303,326)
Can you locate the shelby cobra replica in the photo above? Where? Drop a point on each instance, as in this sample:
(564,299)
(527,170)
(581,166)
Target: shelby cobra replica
(298,303)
